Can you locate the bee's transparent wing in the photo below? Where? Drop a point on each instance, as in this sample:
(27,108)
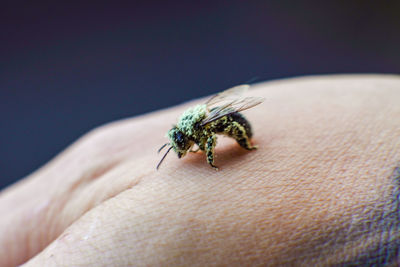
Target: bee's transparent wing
(236,105)
(227,96)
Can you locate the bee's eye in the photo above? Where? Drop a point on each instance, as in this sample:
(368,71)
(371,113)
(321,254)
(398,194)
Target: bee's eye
(179,138)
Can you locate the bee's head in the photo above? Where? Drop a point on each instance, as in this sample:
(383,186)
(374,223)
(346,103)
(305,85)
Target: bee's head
(179,141)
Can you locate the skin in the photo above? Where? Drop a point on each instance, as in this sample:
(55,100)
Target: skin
(323,171)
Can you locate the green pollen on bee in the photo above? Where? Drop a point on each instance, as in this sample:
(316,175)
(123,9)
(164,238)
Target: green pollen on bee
(190,117)
(170,134)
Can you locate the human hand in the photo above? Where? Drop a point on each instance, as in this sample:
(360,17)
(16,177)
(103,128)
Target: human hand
(321,189)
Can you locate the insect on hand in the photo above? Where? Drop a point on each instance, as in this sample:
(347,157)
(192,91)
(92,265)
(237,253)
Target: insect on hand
(219,115)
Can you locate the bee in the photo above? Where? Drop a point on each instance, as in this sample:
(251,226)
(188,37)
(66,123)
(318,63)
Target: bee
(219,115)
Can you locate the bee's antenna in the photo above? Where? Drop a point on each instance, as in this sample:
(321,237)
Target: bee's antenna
(161,148)
(163,156)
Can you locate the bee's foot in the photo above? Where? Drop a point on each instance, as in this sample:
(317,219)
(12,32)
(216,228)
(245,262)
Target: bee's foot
(251,147)
(214,167)
(254,147)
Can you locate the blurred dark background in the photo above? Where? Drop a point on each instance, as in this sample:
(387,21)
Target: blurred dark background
(66,68)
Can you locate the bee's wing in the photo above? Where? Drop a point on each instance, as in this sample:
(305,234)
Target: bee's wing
(227,96)
(236,105)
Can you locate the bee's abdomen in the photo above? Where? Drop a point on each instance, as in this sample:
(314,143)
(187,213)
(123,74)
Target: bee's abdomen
(223,124)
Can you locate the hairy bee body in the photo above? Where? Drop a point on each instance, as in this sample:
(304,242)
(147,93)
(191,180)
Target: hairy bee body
(200,125)
(190,131)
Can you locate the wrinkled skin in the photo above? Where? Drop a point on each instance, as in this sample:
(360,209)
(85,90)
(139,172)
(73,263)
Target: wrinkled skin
(327,148)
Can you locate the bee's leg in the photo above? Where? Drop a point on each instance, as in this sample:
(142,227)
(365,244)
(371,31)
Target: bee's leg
(211,142)
(201,144)
(238,132)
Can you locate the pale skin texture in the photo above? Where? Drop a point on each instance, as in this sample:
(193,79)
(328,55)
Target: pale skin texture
(327,147)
